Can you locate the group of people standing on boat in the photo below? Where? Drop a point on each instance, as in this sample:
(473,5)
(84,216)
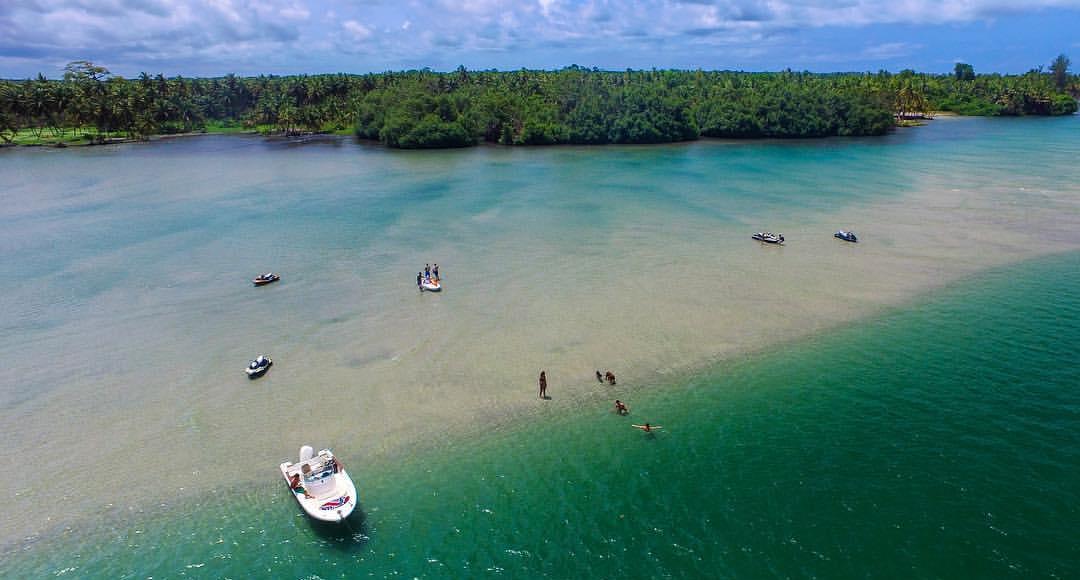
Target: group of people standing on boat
(429,275)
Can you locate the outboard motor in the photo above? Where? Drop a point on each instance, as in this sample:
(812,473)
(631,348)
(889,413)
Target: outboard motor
(306,452)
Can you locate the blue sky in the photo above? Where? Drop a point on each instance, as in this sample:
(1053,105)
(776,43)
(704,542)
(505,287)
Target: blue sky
(215,37)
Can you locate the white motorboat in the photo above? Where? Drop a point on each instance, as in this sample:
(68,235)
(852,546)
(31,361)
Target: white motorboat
(320,485)
(264,279)
(258,367)
(846,236)
(769,237)
(431,285)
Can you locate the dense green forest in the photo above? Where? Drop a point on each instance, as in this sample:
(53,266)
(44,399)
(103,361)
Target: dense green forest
(418,109)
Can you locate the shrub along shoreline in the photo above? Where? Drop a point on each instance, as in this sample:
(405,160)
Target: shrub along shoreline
(425,109)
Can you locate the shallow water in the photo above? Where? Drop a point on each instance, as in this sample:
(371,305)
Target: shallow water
(127,313)
(939,440)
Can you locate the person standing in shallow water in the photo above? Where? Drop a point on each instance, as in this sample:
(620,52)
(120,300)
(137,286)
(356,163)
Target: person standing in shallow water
(435,271)
(599,377)
(419,277)
(427,270)
(543,385)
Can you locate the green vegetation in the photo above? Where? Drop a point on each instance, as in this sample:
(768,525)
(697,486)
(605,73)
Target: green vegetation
(421,109)
(1060,70)
(964,72)
(1033,93)
(232,126)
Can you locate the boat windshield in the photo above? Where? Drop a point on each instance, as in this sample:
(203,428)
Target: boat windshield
(320,470)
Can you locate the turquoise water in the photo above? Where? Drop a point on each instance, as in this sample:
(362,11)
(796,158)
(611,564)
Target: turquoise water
(900,407)
(939,440)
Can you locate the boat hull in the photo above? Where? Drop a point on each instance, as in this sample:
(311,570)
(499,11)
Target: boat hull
(767,239)
(431,286)
(256,373)
(334,500)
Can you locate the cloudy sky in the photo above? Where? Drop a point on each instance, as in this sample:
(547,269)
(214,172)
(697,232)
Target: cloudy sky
(214,37)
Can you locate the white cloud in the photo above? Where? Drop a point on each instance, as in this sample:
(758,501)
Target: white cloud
(356,30)
(234,35)
(225,8)
(295,13)
(546,6)
(889,50)
(129,36)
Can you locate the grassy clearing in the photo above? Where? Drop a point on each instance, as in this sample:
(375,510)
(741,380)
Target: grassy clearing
(230,127)
(89,135)
(68,137)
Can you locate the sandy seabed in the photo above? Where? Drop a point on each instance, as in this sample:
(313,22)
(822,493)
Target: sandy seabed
(374,369)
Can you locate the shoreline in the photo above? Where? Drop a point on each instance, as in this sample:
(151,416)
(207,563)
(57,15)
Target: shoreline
(73,142)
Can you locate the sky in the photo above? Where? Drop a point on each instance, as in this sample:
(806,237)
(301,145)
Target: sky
(250,37)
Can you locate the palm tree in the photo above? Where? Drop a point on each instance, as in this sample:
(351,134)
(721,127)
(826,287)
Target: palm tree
(1060,70)
(9,122)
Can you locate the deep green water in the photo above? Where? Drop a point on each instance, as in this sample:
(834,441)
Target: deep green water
(939,440)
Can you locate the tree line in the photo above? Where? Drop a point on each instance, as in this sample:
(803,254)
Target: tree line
(421,108)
